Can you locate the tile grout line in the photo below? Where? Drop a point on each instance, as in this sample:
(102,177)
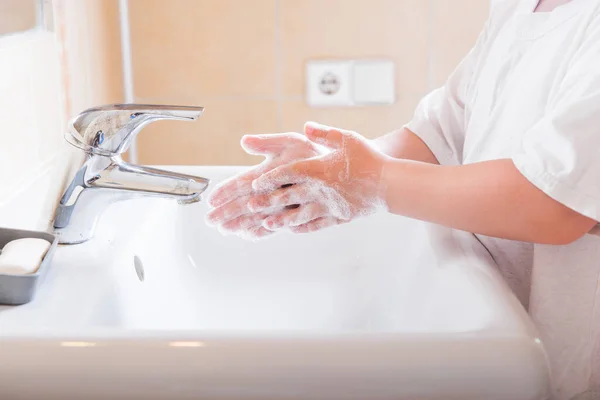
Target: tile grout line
(278,74)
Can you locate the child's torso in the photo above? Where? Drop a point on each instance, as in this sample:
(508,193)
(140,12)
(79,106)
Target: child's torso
(517,78)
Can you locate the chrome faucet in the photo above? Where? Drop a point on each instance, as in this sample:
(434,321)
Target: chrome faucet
(105,133)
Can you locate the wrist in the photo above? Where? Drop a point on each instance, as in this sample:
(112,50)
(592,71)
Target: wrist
(399,179)
(385,181)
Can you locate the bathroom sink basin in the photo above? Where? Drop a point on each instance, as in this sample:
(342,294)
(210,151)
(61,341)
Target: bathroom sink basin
(159,306)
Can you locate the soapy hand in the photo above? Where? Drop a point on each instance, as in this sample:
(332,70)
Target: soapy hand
(230,199)
(331,189)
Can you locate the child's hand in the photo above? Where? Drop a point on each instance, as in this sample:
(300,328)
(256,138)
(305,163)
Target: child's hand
(334,188)
(230,199)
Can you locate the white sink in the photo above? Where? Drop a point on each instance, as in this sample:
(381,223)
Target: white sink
(384,308)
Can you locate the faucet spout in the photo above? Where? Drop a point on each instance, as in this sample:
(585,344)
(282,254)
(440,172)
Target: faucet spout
(92,191)
(124,176)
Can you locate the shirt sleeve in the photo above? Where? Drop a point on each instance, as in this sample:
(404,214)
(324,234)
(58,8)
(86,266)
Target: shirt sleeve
(440,118)
(561,153)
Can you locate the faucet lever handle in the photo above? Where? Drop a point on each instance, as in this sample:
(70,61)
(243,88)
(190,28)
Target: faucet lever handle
(108,130)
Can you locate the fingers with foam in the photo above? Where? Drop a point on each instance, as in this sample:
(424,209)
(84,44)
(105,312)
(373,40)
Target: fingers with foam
(324,135)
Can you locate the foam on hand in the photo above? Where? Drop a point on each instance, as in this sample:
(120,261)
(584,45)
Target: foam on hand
(335,188)
(229,200)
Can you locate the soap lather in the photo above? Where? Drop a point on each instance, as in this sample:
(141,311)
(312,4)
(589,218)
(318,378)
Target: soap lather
(23,256)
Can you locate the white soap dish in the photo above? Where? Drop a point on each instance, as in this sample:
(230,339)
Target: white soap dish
(20,289)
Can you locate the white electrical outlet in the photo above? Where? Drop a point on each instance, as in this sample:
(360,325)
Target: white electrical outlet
(349,83)
(328,83)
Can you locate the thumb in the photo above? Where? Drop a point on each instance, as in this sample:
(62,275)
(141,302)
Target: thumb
(324,135)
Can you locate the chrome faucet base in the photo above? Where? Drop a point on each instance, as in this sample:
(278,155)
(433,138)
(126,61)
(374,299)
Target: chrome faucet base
(105,178)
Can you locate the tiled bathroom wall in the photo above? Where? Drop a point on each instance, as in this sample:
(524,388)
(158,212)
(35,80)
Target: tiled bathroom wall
(244,61)
(47,74)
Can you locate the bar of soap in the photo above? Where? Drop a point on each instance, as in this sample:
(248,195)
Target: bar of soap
(23,256)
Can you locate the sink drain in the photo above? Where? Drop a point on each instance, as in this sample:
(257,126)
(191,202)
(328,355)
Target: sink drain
(139,268)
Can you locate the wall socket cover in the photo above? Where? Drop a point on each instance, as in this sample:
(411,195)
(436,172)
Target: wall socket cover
(346,83)
(373,82)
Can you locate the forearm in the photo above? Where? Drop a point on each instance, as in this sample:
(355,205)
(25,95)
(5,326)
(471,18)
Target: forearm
(405,144)
(490,198)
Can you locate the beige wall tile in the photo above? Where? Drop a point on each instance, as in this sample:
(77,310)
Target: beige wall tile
(329,29)
(17,15)
(456,24)
(213,139)
(193,48)
(368,121)
(104,41)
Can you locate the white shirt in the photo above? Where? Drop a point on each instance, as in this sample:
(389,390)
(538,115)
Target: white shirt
(530,91)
